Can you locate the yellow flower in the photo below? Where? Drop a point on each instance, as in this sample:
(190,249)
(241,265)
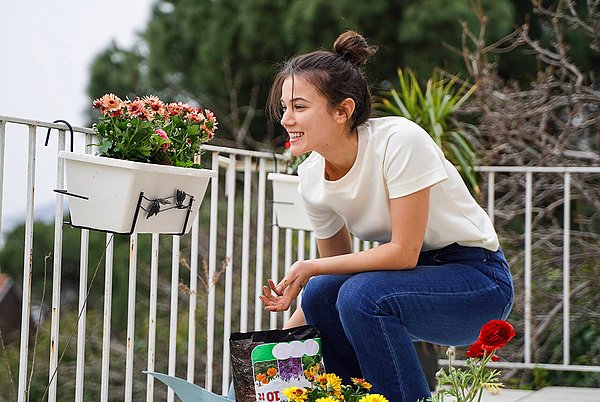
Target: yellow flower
(295,394)
(313,371)
(361,383)
(373,398)
(327,399)
(335,383)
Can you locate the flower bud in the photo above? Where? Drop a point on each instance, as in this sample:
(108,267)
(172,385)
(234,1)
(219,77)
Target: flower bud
(450,352)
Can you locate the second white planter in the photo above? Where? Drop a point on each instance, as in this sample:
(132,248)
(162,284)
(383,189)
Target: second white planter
(289,207)
(121,196)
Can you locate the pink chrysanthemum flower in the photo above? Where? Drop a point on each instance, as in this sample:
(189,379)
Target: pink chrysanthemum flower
(210,116)
(188,109)
(195,116)
(155,105)
(111,103)
(175,109)
(163,134)
(136,109)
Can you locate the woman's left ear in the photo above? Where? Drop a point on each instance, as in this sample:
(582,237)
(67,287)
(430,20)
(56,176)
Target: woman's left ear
(345,110)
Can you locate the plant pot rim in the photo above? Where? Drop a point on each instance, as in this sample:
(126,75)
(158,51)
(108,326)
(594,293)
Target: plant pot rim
(147,167)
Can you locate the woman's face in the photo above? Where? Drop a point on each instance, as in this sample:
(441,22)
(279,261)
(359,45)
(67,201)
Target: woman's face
(307,118)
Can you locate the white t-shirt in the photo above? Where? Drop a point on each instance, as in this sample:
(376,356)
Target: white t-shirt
(396,157)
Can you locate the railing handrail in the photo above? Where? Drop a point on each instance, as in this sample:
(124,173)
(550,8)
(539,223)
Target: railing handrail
(44,124)
(538,169)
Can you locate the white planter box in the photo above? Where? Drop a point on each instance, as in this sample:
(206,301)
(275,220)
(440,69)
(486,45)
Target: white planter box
(104,194)
(289,207)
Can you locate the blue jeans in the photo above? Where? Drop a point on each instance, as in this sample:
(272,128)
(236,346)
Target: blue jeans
(369,321)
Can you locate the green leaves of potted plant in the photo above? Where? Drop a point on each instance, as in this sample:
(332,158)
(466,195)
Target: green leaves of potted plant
(433,108)
(147,176)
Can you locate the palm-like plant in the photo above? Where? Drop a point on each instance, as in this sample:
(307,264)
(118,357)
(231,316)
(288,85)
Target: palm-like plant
(433,110)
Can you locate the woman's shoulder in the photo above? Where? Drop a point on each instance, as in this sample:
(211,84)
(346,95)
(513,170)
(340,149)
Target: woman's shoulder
(394,128)
(311,165)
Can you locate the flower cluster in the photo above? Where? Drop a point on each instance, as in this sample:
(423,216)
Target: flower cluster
(269,374)
(468,385)
(149,130)
(328,388)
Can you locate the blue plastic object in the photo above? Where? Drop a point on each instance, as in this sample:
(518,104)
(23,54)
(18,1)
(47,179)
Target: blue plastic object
(186,391)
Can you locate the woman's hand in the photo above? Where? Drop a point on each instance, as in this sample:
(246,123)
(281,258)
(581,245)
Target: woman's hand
(279,297)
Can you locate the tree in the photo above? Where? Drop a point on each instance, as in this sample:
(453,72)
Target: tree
(224,53)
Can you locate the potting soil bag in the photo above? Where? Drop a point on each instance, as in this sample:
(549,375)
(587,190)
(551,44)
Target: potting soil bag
(266,362)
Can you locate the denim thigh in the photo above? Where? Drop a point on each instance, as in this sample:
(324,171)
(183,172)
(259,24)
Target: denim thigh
(492,264)
(445,299)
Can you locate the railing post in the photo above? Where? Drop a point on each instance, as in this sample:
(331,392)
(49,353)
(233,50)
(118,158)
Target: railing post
(108,279)
(260,242)
(56,274)
(274,263)
(491,195)
(566,269)
(527,272)
(153,300)
(131,318)
(230,186)
(82,307)
(27,269)
(173,312)
(246,243)
(287,263)
(191,360)
(212,269)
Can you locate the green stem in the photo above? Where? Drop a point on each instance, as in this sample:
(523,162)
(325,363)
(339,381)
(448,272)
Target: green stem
(478,380)
(454,379)
(480,395)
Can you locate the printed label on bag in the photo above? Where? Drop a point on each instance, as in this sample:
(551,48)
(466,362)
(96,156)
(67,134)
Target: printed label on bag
(277,366)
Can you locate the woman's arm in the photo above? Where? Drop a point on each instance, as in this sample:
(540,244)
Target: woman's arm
(409,220)
(338,244)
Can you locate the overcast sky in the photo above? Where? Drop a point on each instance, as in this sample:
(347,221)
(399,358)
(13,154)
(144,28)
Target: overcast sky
(46,48)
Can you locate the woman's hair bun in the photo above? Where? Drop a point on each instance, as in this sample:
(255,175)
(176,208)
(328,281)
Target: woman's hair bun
(353,47)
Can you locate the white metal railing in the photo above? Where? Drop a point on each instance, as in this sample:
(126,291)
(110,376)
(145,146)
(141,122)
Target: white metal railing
(238,235)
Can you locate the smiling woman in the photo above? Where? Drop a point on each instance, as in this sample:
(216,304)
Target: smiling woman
(439,273)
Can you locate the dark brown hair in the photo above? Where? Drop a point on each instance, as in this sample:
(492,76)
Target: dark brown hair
(336,75)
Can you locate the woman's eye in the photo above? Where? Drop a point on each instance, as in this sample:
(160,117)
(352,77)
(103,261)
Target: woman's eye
(297,107)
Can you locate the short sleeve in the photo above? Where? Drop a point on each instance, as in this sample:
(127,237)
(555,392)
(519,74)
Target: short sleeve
(325,221)
(412,161)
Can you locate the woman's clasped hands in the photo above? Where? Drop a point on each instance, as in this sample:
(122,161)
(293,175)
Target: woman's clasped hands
(279,297)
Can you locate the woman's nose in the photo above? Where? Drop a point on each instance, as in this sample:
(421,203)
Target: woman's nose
(287,118)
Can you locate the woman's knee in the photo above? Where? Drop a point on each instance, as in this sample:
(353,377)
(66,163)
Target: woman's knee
(321,291)
(354,297)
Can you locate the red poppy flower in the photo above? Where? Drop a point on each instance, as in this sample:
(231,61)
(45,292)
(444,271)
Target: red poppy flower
(476,351)
(495,334)
(287,144)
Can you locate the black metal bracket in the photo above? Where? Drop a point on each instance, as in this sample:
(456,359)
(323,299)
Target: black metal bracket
(154,208)
(66,192)
(70,130)
(281,202)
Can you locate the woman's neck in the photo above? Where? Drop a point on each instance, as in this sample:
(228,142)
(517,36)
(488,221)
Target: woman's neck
(341,156)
